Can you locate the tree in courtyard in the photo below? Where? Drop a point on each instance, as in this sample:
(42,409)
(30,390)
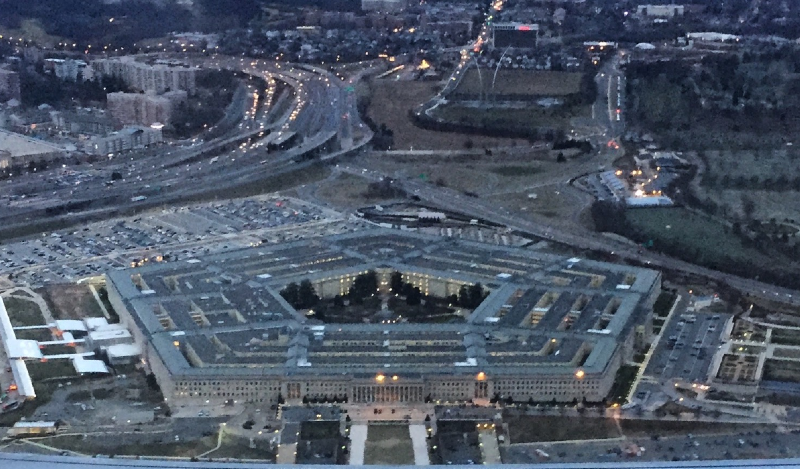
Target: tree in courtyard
(396,283)
(463,296)
(476,295)
(306,296)
(414,297)
(290,293)
(364,285)
(338,301)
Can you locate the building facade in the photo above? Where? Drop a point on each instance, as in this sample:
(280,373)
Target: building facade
(157,77)
(144,109)
(128,138)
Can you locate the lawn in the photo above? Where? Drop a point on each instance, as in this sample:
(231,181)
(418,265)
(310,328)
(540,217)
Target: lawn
(318,430)
(641,428)
(527,119)
(521,82)
(622,384)
(701,238)
(663,304)
(785,337)
(781,370)
(530,429)
(515,170)
(70,301)
(388,445)
(50,369)
(390,104)
(113,446)
(345,190)
(23,312)
(238,447)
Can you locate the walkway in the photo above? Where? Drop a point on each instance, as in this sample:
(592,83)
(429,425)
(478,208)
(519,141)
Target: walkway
(358,443)
(418,440)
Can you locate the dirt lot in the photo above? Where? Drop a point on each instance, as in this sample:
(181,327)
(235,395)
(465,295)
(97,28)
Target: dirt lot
(390,105)
(70,301)
(522,82)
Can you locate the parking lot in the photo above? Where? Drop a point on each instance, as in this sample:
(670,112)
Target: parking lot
(165,235)
(687,347)
(737,445)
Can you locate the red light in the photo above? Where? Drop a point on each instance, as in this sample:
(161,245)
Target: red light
(619,111)
(523,28)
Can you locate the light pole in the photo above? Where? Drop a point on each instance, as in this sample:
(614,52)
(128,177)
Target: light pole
(497,69)
(480,78)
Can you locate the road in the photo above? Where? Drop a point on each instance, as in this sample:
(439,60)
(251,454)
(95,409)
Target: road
(320,109)
(576,237)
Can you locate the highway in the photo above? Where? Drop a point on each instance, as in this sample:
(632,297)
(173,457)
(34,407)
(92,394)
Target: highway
(318,107)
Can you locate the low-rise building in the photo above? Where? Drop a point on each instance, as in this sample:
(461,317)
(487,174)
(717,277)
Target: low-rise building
(660,11)
(144,109)
(128,138)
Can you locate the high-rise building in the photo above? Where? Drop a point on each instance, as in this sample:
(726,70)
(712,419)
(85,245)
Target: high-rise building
(158,77)
(144,109)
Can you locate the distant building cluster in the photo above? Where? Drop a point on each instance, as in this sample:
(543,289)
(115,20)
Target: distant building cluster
(158,77)
(69,69)
(9,85)
(129,138)
(660,11)
(144,109)
(387,6)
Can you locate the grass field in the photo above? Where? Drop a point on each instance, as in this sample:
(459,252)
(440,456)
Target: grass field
(781,370)
(663,303)
(69,301)
(23,312)
(640,428)
(708,239)
(390,104)
(529,429)
(515,170)
(50,369)
(785,337)
(521,82)
(346,190)
(512,119)
(94,445)
(388,445)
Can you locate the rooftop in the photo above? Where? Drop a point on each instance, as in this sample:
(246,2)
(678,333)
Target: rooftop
(546,311)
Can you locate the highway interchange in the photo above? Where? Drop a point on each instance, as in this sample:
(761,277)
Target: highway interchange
(316,106)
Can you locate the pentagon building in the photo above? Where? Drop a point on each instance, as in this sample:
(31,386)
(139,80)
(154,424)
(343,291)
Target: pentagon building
(215,329)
